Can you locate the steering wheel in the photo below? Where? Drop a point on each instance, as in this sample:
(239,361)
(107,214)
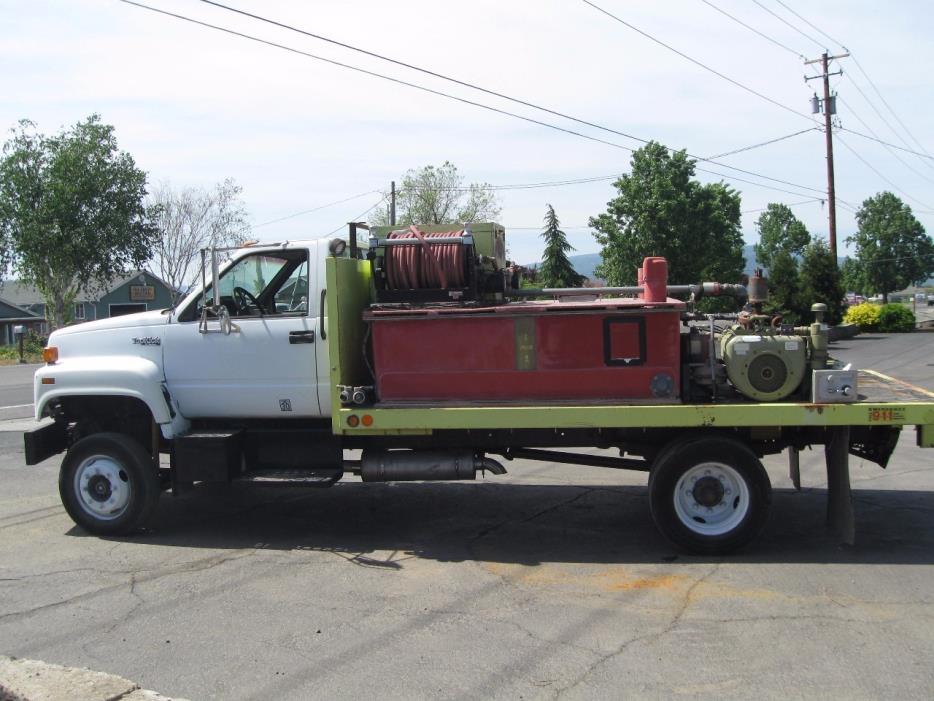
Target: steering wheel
(245,299)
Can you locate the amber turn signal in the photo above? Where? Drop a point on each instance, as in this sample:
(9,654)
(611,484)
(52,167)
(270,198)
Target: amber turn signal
(353,420)
(50,355)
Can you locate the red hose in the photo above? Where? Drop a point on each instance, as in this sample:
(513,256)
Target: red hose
(428,263)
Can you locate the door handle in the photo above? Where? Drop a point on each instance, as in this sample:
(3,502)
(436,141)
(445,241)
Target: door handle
(302,336)
(324,334)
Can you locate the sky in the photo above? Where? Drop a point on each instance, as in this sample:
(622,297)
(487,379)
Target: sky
(195,106)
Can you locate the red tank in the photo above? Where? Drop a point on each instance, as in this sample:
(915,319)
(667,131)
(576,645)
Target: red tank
(613,350)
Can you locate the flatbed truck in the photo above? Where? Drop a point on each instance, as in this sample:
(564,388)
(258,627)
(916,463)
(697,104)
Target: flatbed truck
(416,348)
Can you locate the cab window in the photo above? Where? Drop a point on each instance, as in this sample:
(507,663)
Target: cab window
(260,285)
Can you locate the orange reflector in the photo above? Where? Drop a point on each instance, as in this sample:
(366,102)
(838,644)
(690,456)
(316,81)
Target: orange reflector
(353,420)
(48,380)
(367,420)
(50,354)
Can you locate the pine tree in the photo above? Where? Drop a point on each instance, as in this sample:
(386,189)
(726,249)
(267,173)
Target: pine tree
(556,270)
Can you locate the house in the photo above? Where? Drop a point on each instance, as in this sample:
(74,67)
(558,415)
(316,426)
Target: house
(12,316)
(137,292)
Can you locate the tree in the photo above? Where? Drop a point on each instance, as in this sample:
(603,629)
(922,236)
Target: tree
(779,230)
(72,215)
(556,270)
(851,276)
(437,195)
(783,281)
(660,210)
(891,246)
(190,219)
(820,282)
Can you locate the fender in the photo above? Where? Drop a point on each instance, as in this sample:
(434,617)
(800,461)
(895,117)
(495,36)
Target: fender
(112,375)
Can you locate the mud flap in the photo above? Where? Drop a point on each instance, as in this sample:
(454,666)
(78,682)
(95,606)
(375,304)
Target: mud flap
(44,442)
(840,515)
(874,443)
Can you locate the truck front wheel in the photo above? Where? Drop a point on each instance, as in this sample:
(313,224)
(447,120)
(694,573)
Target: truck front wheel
(709,495)
(108,484)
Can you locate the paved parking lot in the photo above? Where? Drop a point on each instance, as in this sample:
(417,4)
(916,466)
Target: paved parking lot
(548,583)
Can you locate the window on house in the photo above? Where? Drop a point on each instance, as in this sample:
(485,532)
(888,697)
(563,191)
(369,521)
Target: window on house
(79,311)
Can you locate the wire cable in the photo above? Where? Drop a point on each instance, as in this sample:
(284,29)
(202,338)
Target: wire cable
(889,107)
(487,91)
(462,100)
(886,146)
(753,29)
(812,26)
(764,143)
(698,63)
(786,22)
(928,209)
(357,218)
(314,209)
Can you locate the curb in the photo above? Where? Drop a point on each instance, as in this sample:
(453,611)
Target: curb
(33,680)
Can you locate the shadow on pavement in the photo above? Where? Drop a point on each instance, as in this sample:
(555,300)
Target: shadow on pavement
(522,524)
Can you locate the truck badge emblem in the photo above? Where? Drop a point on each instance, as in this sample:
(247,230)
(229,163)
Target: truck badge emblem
(147,341)
(285,405)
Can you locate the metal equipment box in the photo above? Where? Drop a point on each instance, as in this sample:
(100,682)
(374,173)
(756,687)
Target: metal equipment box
(601,350)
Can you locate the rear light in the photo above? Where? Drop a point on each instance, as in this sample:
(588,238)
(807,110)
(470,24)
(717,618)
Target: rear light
(50,355)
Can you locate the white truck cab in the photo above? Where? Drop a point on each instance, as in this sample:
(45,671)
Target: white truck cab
(269,359)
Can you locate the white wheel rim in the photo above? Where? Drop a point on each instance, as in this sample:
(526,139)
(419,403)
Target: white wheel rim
(103,487)
(711,499)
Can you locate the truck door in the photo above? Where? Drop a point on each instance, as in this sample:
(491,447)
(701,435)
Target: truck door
(267,366)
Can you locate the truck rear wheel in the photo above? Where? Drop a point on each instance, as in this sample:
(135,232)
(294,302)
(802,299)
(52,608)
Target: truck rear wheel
(108,484)
(709,496)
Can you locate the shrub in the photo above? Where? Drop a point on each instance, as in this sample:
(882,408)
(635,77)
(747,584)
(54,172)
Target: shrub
(32,350)
(865,315)
(896,318)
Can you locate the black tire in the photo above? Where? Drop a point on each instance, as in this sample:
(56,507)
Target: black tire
(108,484)
(709,495)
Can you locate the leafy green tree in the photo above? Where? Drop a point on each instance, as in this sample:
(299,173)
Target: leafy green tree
(556,270)
(851,276)
(438,195)
(783,280)
(72,216)
(660,210)
(891,246)
(779,230)
(820,282)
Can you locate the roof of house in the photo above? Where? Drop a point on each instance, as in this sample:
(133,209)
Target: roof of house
(13,312)
(23,295)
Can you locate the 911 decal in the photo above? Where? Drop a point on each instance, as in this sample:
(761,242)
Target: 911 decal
(886,415)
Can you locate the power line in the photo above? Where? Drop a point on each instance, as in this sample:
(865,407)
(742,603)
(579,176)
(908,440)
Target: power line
(886,143)
(315,209)
(764,143)
(812,26)
(358,217)
(487,91)
(461,99)
(928,207)
(785,21)
(790,204)
(696,62)
(753,29)
(889,107)
(887,147)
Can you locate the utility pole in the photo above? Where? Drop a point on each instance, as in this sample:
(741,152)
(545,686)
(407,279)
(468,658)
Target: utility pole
(392,205)
(829,104)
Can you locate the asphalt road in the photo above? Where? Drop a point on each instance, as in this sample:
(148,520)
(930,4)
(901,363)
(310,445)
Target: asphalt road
(16,391)
(548,583)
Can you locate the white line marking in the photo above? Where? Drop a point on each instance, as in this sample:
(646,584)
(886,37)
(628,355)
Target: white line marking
(16,406)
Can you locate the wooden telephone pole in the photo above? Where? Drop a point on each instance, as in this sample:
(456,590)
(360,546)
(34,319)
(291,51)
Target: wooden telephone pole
(829,104)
